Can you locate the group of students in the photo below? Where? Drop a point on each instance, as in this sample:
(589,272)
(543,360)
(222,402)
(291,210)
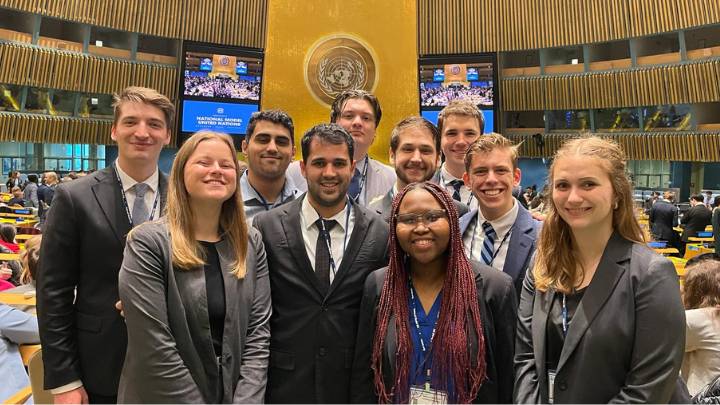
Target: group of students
(321,298)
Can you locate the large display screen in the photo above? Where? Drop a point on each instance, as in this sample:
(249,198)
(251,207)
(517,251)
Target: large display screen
(471,77)
(219,89)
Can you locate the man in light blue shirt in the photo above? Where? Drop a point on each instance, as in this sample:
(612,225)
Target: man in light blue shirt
(269,147)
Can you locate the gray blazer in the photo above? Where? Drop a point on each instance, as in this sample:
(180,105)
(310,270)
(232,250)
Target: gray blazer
(170,356)
(380,179)
(625,343)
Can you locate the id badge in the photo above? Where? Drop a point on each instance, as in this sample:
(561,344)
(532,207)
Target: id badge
(551,386)
(422,396)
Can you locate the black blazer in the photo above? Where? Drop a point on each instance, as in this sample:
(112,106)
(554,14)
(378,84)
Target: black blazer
(625,343)
(84,337)
(695,220)
(313,336)
(663,217)
(498,311)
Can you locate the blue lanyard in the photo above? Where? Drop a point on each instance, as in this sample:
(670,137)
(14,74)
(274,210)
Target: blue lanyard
(362,179)
(565,321)
(262,199)
(125,202)
(423,347)
(328,240)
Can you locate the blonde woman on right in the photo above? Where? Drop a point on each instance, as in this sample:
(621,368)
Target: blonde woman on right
(600,317)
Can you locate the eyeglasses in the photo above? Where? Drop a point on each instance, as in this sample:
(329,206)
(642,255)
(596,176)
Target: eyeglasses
(427,218)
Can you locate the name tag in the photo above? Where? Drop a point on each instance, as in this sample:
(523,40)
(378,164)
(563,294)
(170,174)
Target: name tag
(422,396)
(551,386)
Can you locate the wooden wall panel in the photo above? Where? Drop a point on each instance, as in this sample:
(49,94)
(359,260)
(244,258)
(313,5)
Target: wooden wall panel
(49,129)
(37,67)
(231,22)
(696,82)
(698,147)
(470,26)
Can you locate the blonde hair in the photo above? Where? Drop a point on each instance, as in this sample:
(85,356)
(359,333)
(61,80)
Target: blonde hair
(556,265)
(186,251)
(488,143)
(29,258)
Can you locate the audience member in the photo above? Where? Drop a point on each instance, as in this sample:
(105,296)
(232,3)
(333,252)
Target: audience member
(18,197)
(663,217)
(500,232)
(83,336)
(694,220)
(715,222)
(433,325)
(31,191)
(600,317)
(320,249)
(415,153)
(701,296)
(708,201)
(269,146)
(359,113)
(195,291)
(13,180)
(16,328)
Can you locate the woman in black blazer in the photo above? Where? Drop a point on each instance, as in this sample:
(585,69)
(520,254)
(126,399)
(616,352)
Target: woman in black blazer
(433,325)
(600,317)
(195,289)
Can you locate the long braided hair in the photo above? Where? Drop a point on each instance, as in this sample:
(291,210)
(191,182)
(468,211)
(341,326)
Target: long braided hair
(451,362)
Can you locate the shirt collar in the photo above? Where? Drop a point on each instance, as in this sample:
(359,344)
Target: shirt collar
(128,182)
(310,215)
(503,224)
(249,192)
(447,178)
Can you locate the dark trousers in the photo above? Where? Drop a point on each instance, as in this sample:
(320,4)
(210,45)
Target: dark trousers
(101,399)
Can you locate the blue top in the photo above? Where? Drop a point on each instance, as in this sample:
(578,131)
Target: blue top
(421,362)
(254,203)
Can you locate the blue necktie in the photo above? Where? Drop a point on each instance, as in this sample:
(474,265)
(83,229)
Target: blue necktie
(354,190)
(457,185)
(489,243)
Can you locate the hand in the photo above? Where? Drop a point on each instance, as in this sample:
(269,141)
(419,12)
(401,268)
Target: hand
(119,307)
(5,272)
(76,396)
(538,216)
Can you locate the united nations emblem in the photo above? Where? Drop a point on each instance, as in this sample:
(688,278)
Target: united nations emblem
(336,64)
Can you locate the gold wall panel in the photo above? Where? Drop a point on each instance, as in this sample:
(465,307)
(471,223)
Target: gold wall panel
(387,28)
(231,22)
(690,146)
(47,129)
(471,26)
(32,66)
(697,82)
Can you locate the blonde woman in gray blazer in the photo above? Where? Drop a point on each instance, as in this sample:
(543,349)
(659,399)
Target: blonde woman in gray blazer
(195,289)
(600,316)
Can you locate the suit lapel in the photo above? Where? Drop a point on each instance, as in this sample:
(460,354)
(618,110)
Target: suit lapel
(609,271)
(162,188)
(353,247)
(108,194)
(292,227)
(466,219)
(520,244)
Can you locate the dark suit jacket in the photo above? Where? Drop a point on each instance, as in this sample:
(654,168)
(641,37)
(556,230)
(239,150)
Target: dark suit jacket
(521,245)
(498,312)
(695,220)
(383,206)
(313,336)
(170,355)
(663,217)
(625,343)
(84,337)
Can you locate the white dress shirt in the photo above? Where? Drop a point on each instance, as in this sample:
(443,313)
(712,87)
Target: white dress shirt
(345,224)
(474,237)
(128,184)
(466,195)
(701,364)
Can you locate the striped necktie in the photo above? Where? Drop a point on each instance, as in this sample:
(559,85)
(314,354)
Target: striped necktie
(488,247)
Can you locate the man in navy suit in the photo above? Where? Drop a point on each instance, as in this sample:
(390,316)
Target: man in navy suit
(500,233)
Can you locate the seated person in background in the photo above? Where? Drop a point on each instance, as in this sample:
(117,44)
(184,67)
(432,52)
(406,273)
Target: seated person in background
(7,238)
(29,259)
(701,364)
(9,269)
(17,198)
(16,328)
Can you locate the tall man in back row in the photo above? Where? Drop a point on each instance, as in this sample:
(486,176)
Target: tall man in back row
(83,336)
(320,248)
(359,113)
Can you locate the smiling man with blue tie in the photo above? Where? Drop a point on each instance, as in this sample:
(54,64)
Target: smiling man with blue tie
(500,232)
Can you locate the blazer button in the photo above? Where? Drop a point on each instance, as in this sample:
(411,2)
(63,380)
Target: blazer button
(562,386)
(322,352)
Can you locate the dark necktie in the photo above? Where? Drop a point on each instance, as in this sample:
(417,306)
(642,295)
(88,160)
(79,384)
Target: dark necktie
(322,254)
(140,210)
(488,247)
(457,185)
(354,189)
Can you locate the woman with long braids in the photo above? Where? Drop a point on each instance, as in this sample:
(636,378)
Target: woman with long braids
(600,318)
(434,327)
